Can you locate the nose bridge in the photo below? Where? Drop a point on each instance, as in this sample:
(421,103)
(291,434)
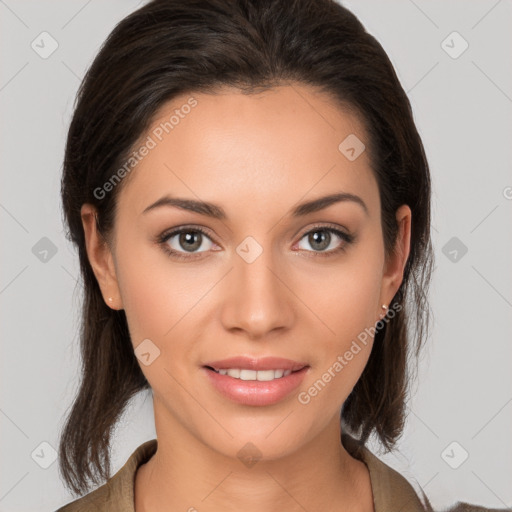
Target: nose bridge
(257,300)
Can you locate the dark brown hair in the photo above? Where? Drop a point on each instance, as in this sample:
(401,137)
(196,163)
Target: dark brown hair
(172,47)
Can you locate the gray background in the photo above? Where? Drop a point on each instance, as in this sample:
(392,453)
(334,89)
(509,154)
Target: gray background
(462,107)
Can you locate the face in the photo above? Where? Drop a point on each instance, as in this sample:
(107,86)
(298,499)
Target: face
(253,277)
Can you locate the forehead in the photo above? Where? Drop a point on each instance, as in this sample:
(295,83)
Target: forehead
(283,142)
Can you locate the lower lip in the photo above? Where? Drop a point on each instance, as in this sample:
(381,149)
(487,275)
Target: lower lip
(254,392)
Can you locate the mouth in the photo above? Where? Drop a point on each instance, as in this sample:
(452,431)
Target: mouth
(249,368)
(259,375)
(251,381)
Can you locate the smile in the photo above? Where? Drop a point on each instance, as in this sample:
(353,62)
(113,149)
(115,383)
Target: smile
(249,388)
(260,375)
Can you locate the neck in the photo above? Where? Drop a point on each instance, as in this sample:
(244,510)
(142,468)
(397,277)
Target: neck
(185,474)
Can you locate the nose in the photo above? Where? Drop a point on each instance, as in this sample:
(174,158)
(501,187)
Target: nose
(257,298)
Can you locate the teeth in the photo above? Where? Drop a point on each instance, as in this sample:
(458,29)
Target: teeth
(261,375)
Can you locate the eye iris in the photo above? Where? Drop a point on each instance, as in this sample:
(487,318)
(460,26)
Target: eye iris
(324,239)
(186,238)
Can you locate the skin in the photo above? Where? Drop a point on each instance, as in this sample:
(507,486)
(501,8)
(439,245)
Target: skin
(256,156)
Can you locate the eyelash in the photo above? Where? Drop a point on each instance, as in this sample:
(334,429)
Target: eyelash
(166,236)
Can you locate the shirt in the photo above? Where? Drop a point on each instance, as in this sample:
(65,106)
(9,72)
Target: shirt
(391,491)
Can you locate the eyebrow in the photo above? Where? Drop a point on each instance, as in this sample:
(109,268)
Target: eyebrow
(217,212)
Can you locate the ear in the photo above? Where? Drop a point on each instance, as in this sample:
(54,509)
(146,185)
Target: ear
(396,261)
(100,258)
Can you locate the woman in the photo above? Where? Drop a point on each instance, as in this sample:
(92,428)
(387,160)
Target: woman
(250,200)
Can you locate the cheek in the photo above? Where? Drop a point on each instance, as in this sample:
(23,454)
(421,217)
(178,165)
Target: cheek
(163,302)
(357,304)
(157,309)
(347,302)
(150,297)
(349,298)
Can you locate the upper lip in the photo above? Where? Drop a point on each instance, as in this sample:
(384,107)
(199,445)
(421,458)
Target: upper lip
(250,363)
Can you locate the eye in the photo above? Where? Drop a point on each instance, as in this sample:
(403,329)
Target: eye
(321,239)
(186,241)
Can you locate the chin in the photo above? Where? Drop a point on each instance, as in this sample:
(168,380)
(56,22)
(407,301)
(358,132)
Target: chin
(262,439)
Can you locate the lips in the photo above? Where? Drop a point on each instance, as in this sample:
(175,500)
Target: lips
(252,381)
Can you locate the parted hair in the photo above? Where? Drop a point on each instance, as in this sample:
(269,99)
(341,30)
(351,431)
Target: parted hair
(171,47)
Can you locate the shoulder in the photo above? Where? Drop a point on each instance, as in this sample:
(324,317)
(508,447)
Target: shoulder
(117,494)
(468,507)
(392,491)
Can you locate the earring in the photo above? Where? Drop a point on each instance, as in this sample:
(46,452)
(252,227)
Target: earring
(384,307)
